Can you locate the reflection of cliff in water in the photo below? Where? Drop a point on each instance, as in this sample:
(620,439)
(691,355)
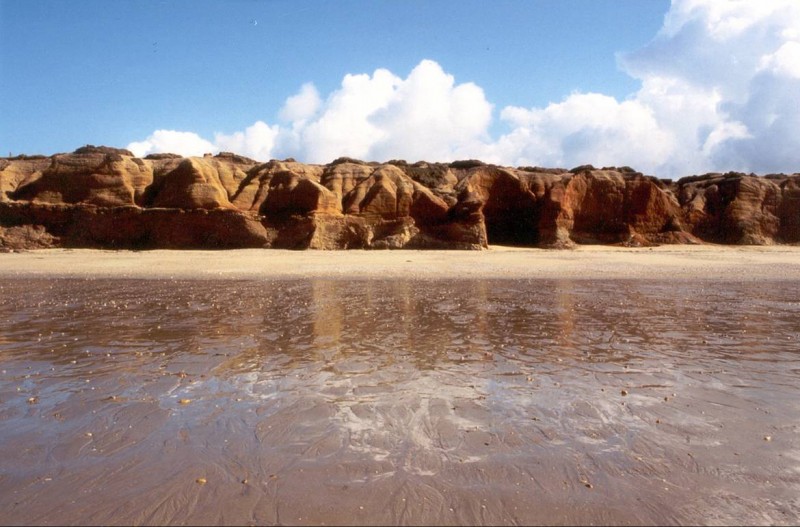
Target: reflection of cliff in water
(256,325)
(422,401)
(370,321)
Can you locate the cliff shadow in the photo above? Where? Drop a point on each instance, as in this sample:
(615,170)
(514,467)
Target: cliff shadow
(514,226)
(511,211)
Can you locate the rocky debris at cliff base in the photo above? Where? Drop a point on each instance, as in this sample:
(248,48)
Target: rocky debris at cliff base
(105,197)
(24,237)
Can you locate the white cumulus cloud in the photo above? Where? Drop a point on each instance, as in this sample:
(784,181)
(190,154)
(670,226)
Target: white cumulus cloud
(303,105)
(429,116)
(719,91)
(185,143)
(585,127)
(257,141)
(785,61)
(343,127)
(719,86)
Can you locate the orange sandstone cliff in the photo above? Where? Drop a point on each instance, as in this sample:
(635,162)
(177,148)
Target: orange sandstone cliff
(106,197)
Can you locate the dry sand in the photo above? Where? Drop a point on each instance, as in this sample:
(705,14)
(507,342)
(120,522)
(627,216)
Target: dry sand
(591,262)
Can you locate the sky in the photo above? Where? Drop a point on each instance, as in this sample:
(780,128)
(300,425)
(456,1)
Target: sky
(669,88)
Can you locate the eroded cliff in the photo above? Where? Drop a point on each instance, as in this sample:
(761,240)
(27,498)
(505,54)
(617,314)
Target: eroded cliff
(106,197)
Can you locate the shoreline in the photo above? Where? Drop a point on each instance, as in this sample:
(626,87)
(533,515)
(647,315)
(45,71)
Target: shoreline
(704,262)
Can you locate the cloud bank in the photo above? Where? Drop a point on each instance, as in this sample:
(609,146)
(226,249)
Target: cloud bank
(720,90)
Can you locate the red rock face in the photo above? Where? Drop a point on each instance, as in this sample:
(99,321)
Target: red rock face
(198,184)
(92,178)
(607,206)
(789,211)
(742,209)
(291,195)
(511,211)
(105,197)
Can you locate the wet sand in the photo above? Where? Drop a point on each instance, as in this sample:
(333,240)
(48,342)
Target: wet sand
(279,396)
(596,262)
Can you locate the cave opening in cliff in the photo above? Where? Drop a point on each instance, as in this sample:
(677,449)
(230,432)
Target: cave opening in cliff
(510,210)
(514,224)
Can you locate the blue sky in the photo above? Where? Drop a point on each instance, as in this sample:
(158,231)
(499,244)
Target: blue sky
(516,82)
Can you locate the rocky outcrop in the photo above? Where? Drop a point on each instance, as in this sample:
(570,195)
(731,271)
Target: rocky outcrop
(137,228)
(25,237)
(92,179)
(106,197)
(617,206)
(742,209)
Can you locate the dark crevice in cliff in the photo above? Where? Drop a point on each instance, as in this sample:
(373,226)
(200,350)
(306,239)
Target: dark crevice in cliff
(511,226)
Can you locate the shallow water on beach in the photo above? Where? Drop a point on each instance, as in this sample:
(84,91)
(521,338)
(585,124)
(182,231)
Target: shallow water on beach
(399,402)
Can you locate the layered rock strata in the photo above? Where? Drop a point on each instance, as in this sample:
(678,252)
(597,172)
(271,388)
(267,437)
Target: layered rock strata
(106,197)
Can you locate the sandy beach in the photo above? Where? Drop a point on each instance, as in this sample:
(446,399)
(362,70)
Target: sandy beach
(591,262)
(601,385)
